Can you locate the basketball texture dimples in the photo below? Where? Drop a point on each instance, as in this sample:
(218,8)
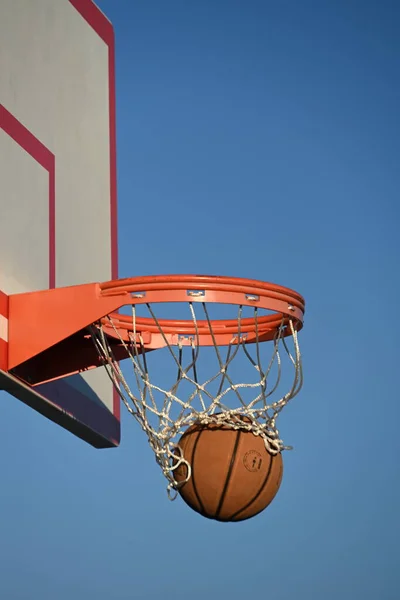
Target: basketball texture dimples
(234,477)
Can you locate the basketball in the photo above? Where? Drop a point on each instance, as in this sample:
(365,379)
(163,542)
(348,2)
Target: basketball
(233,478)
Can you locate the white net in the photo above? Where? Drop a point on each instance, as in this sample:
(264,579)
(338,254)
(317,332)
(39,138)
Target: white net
(165,412)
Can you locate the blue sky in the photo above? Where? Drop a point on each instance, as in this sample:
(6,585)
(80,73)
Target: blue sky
(256,139)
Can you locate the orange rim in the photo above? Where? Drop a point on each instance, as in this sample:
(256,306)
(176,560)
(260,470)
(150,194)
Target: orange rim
(286,305)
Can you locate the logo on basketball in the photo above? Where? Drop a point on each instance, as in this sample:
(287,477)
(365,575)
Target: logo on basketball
(252,460)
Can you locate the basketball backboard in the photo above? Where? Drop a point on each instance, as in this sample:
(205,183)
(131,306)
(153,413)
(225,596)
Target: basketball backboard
(58,222)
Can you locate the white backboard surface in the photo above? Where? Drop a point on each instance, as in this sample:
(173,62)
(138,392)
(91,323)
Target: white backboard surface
(58,222)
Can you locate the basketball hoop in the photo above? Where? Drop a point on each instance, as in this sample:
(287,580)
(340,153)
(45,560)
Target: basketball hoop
(165,412)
